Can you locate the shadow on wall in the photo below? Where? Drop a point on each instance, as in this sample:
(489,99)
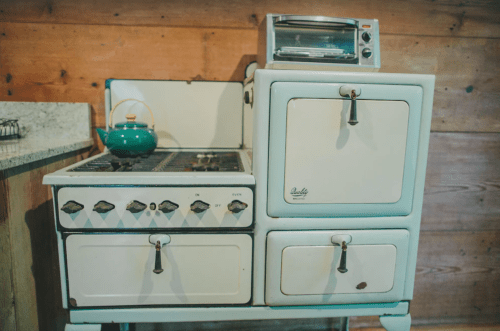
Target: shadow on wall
(45,268)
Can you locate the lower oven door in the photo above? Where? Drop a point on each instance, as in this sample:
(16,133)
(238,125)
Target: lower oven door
(117,269)
(305,268)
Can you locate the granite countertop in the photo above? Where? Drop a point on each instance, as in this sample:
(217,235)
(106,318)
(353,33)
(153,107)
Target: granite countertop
(25,150)
(47,129)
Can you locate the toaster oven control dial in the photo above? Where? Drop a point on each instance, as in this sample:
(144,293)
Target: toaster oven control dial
(136,206)
(366,36)
(236,206)
(199,206)
(168,206)
(366,52)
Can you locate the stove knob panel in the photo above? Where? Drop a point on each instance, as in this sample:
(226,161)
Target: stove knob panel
(71,207)
(236,206)
(199,206)
(103,207)
(136,207)
(168,206)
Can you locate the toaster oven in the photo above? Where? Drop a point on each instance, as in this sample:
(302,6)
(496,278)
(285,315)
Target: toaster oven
(322,43)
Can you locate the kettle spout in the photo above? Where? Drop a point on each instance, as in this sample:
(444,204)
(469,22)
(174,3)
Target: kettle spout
(102,134)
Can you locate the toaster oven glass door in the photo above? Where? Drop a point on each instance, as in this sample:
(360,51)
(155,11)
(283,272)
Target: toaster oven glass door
(320,165)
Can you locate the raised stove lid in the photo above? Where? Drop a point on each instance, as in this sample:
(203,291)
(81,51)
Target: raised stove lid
(186,114)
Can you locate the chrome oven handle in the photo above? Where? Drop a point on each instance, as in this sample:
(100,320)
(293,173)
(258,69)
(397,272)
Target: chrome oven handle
(159,241)
(315,20)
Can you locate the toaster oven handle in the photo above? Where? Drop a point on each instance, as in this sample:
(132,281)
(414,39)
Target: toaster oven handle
(316,20)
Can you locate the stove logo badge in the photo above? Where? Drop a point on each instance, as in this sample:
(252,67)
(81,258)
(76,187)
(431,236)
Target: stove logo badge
(299,195)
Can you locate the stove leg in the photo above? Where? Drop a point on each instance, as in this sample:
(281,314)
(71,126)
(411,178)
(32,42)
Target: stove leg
(344,324)
(124,327)
(396,322)
(82,327)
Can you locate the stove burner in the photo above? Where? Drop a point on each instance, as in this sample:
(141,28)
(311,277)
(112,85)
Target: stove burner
(166,162)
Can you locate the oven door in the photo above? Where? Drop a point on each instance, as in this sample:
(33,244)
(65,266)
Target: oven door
(123,269)
(305,267)
(321,166)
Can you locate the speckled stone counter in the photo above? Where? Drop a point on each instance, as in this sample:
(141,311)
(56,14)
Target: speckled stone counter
(14,153)
(47,129)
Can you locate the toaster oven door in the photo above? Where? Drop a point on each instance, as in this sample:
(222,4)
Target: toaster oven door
(321,165)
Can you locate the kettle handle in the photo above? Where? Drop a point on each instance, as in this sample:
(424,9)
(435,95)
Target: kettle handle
(124,100)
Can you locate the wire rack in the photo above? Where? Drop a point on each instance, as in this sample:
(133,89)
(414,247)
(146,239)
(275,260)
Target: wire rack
(9,129)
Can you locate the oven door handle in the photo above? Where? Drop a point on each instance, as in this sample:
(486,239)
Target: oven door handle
(159,240)
(316,20)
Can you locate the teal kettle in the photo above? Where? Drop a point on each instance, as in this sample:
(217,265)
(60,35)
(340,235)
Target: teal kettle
(130,138)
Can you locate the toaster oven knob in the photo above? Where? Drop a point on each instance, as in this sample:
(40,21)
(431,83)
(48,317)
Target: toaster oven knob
(168,206)
(103,207)
(236,206)
(366,36)
(71,207)
(366,52)
(199,206)
(136,206)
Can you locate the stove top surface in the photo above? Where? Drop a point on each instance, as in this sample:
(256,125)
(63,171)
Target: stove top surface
(167,161)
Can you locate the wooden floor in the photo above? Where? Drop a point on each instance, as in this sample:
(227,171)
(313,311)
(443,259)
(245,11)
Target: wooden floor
(180,327)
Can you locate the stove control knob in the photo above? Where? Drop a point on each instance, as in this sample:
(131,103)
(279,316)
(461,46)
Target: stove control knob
(366,36)
(199,206)
(136,206)
(71,207)
(103,207)
(236,206)
(168,206)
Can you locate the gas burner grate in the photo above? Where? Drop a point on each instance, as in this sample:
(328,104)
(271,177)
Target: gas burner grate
(166,162)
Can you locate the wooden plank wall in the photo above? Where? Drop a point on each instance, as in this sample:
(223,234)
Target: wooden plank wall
(63,51)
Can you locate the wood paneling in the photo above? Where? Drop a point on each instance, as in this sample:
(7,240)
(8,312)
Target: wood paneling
(70,63)
(462,189)
(450,18)
(457,277)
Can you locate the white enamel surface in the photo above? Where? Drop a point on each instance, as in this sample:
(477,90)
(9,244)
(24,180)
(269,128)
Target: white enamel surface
(264,79)
(339,163)
(117,270)
(313,269)
(216,216)
(187,115)
(301,267)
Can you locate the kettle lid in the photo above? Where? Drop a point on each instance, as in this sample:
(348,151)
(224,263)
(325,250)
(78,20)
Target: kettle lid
(131,123)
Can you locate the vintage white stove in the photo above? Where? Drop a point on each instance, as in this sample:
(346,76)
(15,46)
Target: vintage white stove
(326,223)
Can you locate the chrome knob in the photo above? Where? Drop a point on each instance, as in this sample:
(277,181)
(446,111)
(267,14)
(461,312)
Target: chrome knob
(168,206)
(199,206)
(71,207)
(103,207)
(136,207)
(236,206)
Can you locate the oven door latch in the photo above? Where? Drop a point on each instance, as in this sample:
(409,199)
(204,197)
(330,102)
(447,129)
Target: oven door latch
(159,240)
(342,240)
(352,92)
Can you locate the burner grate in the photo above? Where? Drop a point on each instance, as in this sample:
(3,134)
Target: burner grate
(167,162)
